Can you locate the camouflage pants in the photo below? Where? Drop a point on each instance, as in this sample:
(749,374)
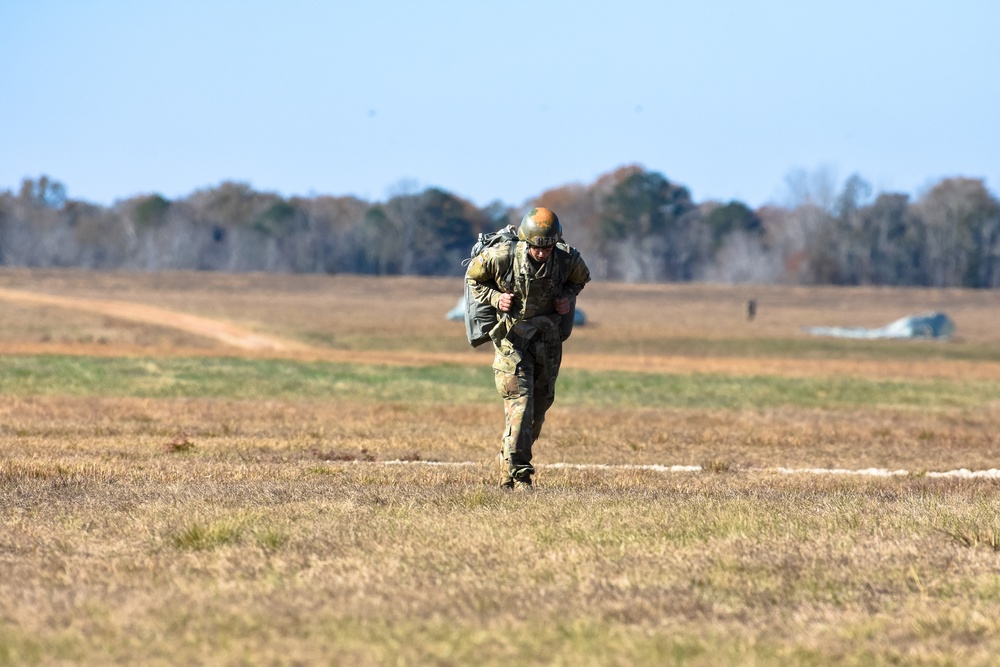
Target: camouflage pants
(526,379)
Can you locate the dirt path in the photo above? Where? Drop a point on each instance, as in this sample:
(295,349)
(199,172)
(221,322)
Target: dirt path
(254,344)
(225,332)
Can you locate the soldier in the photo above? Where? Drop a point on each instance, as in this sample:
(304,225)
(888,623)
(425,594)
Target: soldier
(536,309)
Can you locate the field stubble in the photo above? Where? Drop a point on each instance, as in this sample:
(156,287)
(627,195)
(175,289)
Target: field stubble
(214,527)
(659,328)
(112,553)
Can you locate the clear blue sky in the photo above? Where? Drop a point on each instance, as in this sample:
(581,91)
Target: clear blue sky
(495,100)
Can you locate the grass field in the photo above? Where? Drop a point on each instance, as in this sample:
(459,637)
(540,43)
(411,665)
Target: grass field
(167,497)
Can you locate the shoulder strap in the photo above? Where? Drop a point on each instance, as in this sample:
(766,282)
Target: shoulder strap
(508,276)
(563,256)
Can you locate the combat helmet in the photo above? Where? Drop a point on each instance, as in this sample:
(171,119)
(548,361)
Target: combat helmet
(540,228)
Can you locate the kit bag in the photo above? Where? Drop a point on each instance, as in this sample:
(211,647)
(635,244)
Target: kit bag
(480,318)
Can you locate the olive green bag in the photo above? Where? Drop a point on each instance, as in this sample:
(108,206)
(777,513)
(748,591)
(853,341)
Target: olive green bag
(480,318)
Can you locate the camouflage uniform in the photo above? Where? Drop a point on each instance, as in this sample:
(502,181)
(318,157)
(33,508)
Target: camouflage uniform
(527,340)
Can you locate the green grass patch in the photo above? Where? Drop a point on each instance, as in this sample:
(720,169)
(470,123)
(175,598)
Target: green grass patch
(273,378)
(207,535)
(703,390)
(239,378)
(199,536)
(800,348)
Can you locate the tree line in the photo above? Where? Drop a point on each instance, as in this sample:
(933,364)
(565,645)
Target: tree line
(631,224)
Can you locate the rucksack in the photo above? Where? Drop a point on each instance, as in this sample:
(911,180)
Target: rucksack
(480,318)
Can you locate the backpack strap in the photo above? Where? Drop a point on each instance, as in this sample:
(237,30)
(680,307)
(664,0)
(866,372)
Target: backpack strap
(508,276)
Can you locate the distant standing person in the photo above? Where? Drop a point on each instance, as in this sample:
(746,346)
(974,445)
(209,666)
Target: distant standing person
(535,317)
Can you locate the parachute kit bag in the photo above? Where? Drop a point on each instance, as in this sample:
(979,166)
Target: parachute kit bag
(480,318)
(567,321)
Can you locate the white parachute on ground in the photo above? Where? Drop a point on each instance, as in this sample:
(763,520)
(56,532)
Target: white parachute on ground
(457,313)
(923,325)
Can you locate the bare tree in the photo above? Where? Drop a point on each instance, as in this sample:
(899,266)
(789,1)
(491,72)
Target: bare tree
(962,221)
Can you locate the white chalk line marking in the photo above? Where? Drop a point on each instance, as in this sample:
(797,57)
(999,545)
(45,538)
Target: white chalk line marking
(964,473)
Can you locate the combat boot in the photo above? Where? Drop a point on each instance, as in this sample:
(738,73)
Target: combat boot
(522,473)
(506,481)
(522,479)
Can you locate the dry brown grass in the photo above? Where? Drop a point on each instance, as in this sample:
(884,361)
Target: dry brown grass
(113,550)
(662,327)
(298,430)
(223,531)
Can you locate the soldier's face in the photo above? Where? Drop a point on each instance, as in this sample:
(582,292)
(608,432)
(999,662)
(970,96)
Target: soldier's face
(539,254)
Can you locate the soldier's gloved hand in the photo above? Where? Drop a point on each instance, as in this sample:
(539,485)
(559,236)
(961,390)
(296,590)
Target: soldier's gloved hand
(561,304)
(506,302)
